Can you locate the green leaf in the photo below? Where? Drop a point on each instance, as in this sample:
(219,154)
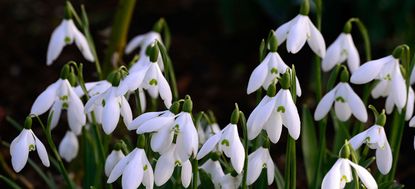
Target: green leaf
(279,179)
(205,180)
(309,145)
(9,182)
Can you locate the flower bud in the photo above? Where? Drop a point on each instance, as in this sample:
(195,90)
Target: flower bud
(65,72)
(285,80)
(72,78)
(272,41)
(344,75)
(158,26)
(347,27)
(235,115)
(67,14)
(188,104)
(397,52)
(305,8)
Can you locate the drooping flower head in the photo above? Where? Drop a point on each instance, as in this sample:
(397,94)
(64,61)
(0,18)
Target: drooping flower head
(25,142)
(258,160)
(346,101)
(65,34)
(61,96)
(69,146)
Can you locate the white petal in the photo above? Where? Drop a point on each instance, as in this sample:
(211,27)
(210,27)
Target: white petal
(384,158)
(343,111)
(68,148)
(137,122)
(291,119)
(316,40)
(56,109)
(353,59)
(119,168)
(389,104)
(134,43)
(41,151)
(398,88)
(112,160)
(164,89)
(187,140)
(274,127)
(410,104)
(365,176)
(356,105)
(237,153)
(110,115)
(148,179)
(256,161)
(125,112)
(155,124)
(186,173)
(258,76)
(412,79)
(332,178)
(82,43)
(19,150)
(133,173)
(209,145)
(412,122)
(333,55)
(324,105)
(282,31)
(45,100)
(214,169)
(298,34)
(270,170)
(131,82)
(259,117)
(164,167)
(162,140)
(358,140)
(56,42)
(381,89)
(368,71)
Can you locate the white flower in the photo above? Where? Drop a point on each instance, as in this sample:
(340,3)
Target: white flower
(341,173)
(410,104)
(375,138)
(215,171)
(165,167)
(206,133)
(230,182)
(148,75)
(273,112)
(226,141)
(299,30)
(66,33)
(256,162)
(60,95)
(346,103)
(112,160)
(93,88)
(135,169)
(267,71)
(113,106)
(166,125)
(143,41)
(341,50)
(68,148)
(391,83)
(20,147)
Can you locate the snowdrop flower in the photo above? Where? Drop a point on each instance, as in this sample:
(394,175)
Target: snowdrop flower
(299,30)
(256,162)
(66,33)
(226,141)
(112,105)
(215,171)
(148,75)
(68,148)
(346,102)
(375,138)
(231,182)
(143,41)
(57,97)
(269,69)
(341,173)
(115,156)
(391,82)
(340,50)
(166,164)
(135,169)
(25,142)
(274,111)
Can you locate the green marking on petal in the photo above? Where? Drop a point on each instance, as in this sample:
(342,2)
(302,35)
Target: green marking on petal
(153,82)
(344,178)
(281,109)
(178,163)
(103,102)
(32,147)
(388,77)
(67,40)
(176,129)
(264,165)
(340,99)
(225,142)
(65,105)
(64,98)
(274,70)
(145,167)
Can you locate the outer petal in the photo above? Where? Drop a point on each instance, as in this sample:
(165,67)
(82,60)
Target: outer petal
(56,109)
(187,140)
(398,88)
(381,89)
(298,34)
(120,166)
(258,76)
(368,71)
(164,89)
(358,140)
(237,153)
(164,167)
(214,169)
(384,158)
(412,122)
(142,119)
(45,100)
(41,151)
(270,170)
(82,44)
(333,177)
(19,150)
(256,162)
(353,59)
(209,145)
(56,42)
(324,105)
(155,124)
(133,173)
(126,113)
(134,43)
(316,40)
(259,117)
(148,179)
(186,173)
(291,119)
(131,82)
(110,115)
(356,104)
(364,176)
(274,127)
(410,104)
(283,30)
(162,140)
(68,148)
(112,160)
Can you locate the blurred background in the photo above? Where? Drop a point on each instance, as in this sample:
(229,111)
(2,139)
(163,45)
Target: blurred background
(214,50)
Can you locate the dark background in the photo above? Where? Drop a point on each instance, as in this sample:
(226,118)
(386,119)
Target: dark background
(214,50)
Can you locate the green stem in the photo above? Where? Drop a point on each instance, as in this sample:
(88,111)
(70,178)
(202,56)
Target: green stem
(195,170)
(119,33)
(55,152)
(245,142)
(138,102)
(290,166)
